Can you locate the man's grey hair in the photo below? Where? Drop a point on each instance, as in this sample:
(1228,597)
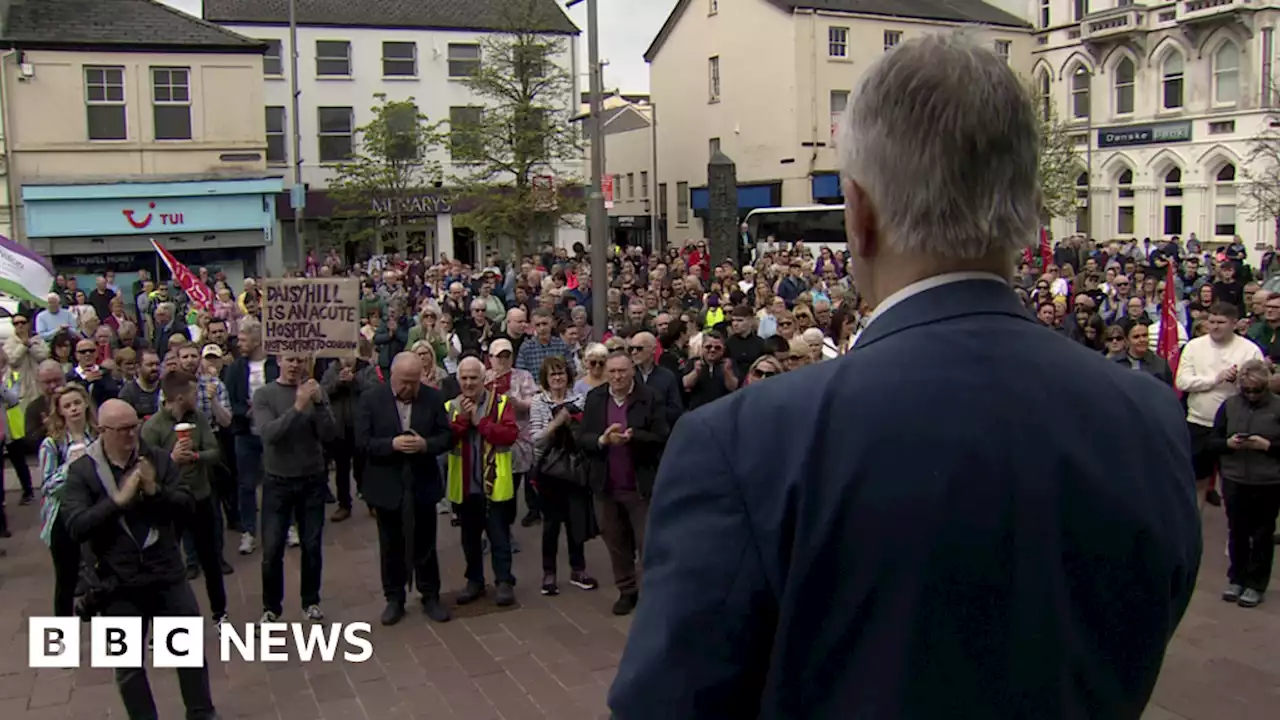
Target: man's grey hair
(167,308)
(249,326)
(944,139)
(1255,372)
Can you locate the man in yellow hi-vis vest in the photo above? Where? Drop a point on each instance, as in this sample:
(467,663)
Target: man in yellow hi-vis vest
(481,481)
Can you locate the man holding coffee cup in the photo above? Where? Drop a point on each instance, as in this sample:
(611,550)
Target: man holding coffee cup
(179,428)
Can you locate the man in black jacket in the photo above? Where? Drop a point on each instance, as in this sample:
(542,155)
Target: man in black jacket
(623,431)
(402,428)
(661,381)
(122,498)
(251,371)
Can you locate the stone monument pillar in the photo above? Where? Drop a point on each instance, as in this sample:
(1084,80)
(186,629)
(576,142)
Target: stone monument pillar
(722,209)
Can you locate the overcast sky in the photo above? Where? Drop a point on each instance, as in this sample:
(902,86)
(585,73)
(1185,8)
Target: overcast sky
(626,29)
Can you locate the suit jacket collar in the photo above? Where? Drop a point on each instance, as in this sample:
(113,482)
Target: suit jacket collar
(978,296)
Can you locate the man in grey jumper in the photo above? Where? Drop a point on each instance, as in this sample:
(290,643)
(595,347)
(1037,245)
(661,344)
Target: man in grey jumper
(294,420)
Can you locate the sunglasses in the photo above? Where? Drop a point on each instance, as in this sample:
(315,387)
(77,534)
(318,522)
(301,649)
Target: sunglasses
(762,374)
(86,351)
(595,363)
(636,348)
(786,323)
(19,322)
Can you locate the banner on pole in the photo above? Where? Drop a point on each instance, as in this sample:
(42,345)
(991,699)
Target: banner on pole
(319,317)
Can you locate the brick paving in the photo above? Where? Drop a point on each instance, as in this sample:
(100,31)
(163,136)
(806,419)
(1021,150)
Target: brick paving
(551,658)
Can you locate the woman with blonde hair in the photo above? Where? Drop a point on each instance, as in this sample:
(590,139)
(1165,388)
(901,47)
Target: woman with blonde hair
(72,425)
(430,371)
(593,359)
(765,366)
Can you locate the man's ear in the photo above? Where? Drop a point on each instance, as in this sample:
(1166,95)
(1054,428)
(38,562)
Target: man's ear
(859,220)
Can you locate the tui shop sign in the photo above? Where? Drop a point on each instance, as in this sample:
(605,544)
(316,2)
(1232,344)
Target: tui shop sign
(1156,134)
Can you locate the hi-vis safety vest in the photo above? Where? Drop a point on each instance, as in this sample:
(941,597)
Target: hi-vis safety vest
(15,416)
(715,316)
(497,458)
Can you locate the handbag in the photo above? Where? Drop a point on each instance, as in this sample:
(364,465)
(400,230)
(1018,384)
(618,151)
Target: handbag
(563,462)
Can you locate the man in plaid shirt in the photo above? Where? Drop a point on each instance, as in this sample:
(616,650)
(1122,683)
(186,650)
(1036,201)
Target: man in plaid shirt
(542,345)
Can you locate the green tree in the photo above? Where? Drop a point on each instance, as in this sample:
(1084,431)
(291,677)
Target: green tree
(392,161)
(1261,176)
(506,151)
(1059,165)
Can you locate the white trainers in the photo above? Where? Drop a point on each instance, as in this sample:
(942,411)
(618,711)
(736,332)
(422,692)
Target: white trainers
(268,617)
(314,613)
(247,544)
(292,539)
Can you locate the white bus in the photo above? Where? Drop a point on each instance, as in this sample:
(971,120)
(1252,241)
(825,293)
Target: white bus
(816,225)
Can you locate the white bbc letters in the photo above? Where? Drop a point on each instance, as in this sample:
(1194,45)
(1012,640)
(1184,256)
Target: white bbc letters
(53,642)
(116,642)
(179,642)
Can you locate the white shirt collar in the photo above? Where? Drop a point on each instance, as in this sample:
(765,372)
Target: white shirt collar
(920,286)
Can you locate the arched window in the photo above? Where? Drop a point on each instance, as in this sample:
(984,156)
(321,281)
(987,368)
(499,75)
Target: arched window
(1172,201)
(1082,203)
(1080,92)
(1125,214)
(1171,77)
(1226,75)
(1224,201)
(1124,82)
(1044,89)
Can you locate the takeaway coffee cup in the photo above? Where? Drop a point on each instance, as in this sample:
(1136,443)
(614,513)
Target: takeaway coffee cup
(184,431)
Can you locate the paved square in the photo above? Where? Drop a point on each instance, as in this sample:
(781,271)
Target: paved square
(552,658)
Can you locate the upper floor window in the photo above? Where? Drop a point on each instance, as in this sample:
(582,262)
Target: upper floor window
(713,80)
(465,144)
(891,39)
(631,186)
(1171,81)
(713,146)
(839,102)
(399,59)
(276,152)
(1124,80)
(644,184)
(1080,79)
(1044,13)
(273,58)
(682,203)
(333,57)
(1044,94)
(1226,75)
(1081,9)
(1002,49)
(713,7)
(838,42)
(337,133)
(104,98)
(529,61)
(464,59)
(171,97)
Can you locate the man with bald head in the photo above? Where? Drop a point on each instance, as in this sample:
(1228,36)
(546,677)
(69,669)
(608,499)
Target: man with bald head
(121,497)
(402,428)
(643,350)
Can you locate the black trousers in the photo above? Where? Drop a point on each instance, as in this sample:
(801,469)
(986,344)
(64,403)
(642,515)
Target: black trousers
(66,568)
(18,452)
(284,500)
(479,518)
(393,551)
(347,461)
(1251,527)
(564,504)
(226,482)
(203,525)
(135,691)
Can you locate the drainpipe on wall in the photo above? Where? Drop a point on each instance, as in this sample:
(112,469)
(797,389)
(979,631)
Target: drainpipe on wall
(813,98)
(9,180)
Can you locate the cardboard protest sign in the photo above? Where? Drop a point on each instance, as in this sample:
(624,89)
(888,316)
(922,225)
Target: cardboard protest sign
(315,316)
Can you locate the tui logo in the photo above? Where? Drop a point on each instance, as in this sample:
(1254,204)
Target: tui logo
(139,224)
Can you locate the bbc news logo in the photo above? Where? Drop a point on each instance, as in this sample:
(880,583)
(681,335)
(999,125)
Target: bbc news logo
(120,642)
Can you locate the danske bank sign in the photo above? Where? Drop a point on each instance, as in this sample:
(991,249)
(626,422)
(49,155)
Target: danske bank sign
(120,642)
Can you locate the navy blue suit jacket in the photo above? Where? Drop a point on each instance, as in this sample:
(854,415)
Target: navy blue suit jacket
(938,525)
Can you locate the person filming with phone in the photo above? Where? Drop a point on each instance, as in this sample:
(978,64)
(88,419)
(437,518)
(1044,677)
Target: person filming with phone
(402,427)
(1246,438)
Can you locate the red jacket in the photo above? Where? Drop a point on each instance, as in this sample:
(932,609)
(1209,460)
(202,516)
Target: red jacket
(499,431)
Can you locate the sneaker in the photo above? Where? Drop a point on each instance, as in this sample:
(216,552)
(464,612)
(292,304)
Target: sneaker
(1232,593)
(582,579)
(1250,598)
(549,586)
(504,595)
(268,617)
(292,538)
(247,544)
(472,592)
(531,518)
(27,499)
(626,603)
(220,619)
(314,613)
(340,514)
(1213,498)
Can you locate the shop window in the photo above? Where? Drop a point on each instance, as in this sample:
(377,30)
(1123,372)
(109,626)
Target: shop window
(333,58)
(104,100)
(337,130)
(464,59)
(399,59)
(277,153)
(465,143)
(1224,201)
(273,59)
(171,97)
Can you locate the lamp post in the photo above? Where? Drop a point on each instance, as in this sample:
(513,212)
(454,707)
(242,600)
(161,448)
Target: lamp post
(1087,76)
(597,225)
(299,190)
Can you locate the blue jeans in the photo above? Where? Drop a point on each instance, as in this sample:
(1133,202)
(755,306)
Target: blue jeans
(249,466)
(283,501)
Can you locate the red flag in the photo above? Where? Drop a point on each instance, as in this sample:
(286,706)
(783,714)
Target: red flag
(199,293)
(1046,252)
(1167,343)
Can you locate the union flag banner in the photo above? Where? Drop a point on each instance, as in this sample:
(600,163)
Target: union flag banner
(199,293)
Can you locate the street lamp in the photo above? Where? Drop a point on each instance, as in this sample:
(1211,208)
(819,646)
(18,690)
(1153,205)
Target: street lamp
(597,221)
(1087,77)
